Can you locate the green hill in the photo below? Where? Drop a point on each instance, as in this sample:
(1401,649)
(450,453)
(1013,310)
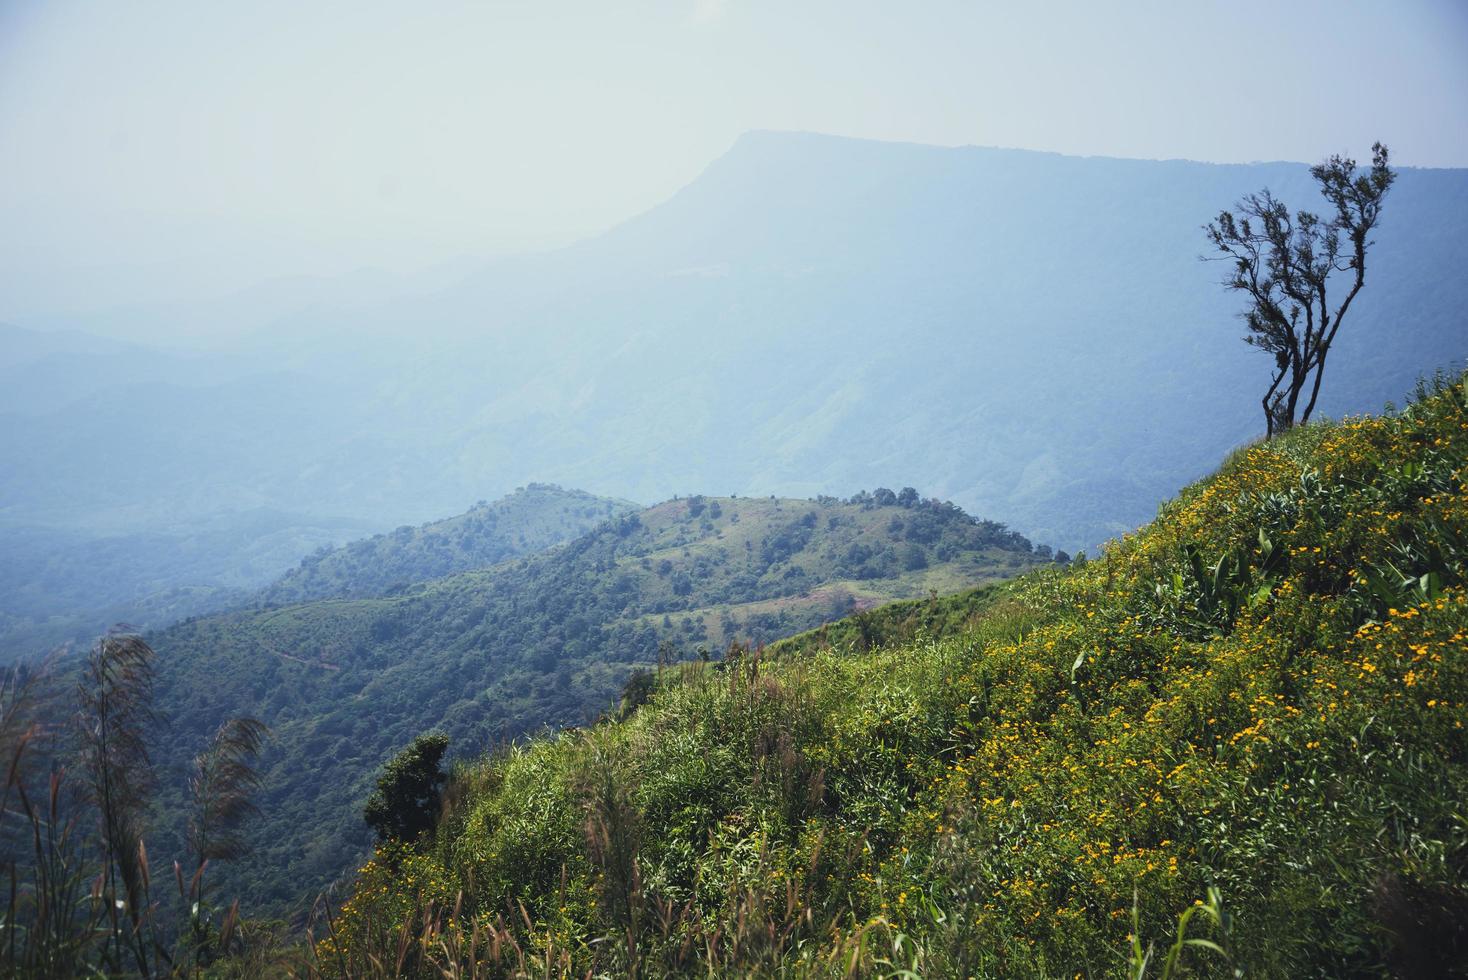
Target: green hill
(531,519)
(491,655)
(1264,691)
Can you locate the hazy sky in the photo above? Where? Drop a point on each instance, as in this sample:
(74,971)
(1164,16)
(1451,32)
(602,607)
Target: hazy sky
(157,150)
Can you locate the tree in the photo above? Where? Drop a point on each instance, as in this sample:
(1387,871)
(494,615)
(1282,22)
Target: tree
(1285,265)
(639,689)
(406,802)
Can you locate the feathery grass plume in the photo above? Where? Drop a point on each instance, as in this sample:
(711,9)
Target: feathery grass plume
(220,786)
(52,919)
(18,728)
(115,699)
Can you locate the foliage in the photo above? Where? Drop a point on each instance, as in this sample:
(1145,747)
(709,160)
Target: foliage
(83,904)
(498,654)
(1034,790)
(116,706)
(637,690)
(1285,265)
(406,802)
(531,519)
(62,586)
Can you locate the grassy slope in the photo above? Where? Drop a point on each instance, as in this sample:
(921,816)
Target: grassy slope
(549,640)
(985,795)
(531,519)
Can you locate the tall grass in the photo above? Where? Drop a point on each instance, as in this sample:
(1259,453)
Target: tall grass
(81,898)
(1265,693)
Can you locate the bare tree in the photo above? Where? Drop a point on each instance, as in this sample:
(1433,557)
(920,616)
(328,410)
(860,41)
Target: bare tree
(1285,265)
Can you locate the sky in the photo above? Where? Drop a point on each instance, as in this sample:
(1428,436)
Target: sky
(174,152)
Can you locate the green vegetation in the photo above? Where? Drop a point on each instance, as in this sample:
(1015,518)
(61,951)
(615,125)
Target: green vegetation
(406,802)
(1264,692)
(62,586)
(493,655)
(531,519)
(83,899)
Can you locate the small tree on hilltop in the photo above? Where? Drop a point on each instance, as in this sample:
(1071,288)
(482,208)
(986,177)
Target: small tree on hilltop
(406,802)
(1285,264)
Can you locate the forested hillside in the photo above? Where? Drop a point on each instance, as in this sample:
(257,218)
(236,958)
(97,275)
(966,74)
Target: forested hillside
(549,640)
(59,587)
(67,585)
(1244,725)
(531,519)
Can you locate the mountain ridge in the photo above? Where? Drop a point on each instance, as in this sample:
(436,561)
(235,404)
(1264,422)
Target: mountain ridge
(491,655)
(1113,763)
(809,315)
(531,519)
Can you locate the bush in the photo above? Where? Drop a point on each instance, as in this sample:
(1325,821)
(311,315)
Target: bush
(406,802)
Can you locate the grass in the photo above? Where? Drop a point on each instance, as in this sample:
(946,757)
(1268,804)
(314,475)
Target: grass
(498,654)
(1258,700)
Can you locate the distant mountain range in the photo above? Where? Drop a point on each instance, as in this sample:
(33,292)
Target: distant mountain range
(1028,334)
(550,639)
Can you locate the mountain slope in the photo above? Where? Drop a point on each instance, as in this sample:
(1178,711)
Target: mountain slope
(60,586)
(549,640)
(1264,691)
(1001,327)
(531,519)
(69,586)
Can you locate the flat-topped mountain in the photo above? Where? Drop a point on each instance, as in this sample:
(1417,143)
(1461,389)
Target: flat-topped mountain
(811,314)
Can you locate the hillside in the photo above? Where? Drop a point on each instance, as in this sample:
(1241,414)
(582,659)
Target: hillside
(1264,691)
(67,585)
(803,295)
(531,519)
(491,655)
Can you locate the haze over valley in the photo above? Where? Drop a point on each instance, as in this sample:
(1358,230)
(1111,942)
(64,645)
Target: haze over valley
(1001,328)
(720,488)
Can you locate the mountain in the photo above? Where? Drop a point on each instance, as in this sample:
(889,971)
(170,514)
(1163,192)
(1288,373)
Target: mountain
(1028,334)
(531,519)
(63,586)
(491,655)
(1239,736)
